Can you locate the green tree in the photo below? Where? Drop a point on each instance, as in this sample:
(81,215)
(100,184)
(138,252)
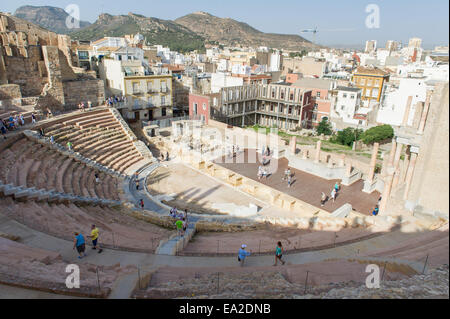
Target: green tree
(347,136)
(324,127)
(377,134)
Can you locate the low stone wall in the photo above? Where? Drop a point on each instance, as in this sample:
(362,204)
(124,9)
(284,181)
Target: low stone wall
(10,92)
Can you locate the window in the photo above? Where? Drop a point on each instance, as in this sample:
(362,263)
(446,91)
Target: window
(163,112)
(369,82)
(83,55)
(273,93)
(135,87)
(352,96)
(163,87)
(316,106)
(342,107)
(195,108)
(375,92)
(290,110)
(282,95)
(318,95)
(345,95)
(149,87)
(163,100)
(291,96)
(271,108)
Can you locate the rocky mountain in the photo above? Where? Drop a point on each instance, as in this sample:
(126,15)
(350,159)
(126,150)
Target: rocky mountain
(232,32)
(50,18)
(187,33)
(155,31)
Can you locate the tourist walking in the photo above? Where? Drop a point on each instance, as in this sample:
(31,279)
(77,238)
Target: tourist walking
(97,178)
(337,187)
(22,120)
(79,245)
(141,203)
(179,225)
(137,185)
(167,156)
(33,118)
(69,145)
(323,199)
(41,132)
(94,237)
(52,139)
(243,254)
(333,195)
(375,211)
(290,180)
(279,254)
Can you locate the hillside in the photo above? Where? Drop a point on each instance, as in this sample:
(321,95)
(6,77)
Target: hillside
(155,31)
(232,32)
(50,18)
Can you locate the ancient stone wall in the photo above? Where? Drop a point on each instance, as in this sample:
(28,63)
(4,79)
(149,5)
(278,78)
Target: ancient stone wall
(84,91)
(430,187)
(10,92)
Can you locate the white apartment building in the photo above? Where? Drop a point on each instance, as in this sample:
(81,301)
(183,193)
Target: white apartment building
(346,104)
(223,80)
(275,62)
(395,105)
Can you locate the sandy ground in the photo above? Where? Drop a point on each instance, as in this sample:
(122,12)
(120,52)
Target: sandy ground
(194,190)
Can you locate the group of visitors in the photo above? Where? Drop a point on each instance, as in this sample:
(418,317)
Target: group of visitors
(333,195)
(113,100)
(79,242)
(243,254)
(288,176)
(181,220)
(82,106)
(263,173)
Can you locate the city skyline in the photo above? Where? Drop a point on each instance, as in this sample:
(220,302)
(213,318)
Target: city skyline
(339,25)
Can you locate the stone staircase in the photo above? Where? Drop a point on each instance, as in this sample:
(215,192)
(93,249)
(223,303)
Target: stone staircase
(52,196)
(176,243)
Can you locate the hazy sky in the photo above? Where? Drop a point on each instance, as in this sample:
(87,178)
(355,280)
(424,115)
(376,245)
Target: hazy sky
(338,22)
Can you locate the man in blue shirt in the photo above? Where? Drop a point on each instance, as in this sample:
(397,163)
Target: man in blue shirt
(79,244)
(243,254)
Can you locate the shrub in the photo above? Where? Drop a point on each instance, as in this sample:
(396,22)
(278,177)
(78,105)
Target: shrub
(347,136)
(377,134)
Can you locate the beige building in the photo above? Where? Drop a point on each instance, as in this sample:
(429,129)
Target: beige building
(148,94)
(308,66)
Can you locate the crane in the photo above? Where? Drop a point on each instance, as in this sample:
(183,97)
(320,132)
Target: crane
(313,31)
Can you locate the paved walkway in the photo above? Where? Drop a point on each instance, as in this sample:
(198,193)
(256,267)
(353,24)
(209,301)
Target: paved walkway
(307,187)
(360,250)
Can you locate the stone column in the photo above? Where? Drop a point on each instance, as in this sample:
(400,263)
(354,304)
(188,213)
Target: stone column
(373,161)
(396,165)
(293,145)
(405,168)
(318,149)
(342,161)
(426,108)
(407,111)
(387,189)
(392,153)
(385,164)
(409,174)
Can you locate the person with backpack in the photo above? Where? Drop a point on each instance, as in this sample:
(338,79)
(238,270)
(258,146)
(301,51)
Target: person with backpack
(279,254)
(243,254)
